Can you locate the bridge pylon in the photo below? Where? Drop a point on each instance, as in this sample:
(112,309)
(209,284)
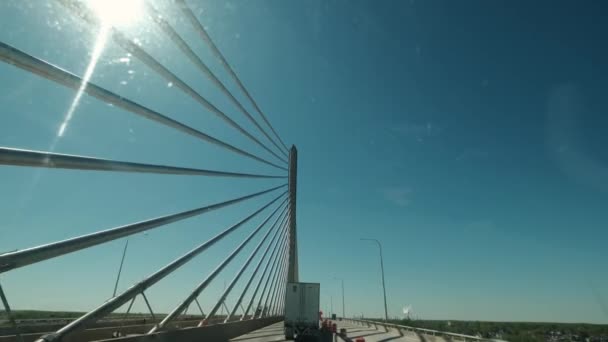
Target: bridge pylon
(292,274)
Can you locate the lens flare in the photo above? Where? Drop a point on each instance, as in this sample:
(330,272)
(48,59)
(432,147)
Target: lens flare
(118,13)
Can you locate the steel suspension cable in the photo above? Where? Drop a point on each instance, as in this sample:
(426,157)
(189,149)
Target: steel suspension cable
(279,245)
(280,286)
(281,303)
(20,258)
(138,288)
(207,39)
(276,260)
(277,233)
(196,292)
(21,157)
(46,70)
(9,315)
(272,293)
(282,292)
(81,10)
(166,27)
(274,288)
(272,275)
(239,273)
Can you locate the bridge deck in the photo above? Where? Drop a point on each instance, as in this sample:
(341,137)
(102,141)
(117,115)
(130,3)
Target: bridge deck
(274,332)
(373,334)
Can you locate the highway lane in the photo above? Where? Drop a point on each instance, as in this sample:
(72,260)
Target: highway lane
(271,333)
(380,334)
(274,333)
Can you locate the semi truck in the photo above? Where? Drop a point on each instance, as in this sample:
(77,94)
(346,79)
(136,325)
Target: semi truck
(302,311)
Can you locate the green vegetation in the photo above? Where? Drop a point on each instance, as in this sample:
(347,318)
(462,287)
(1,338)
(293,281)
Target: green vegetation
(40,314)
(516,331)
(47,317)
(37,314)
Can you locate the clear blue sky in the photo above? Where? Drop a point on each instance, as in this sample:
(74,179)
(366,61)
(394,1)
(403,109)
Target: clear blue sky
(469,137)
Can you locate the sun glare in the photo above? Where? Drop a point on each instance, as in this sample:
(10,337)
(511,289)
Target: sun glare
(100,43)
(117,12)
(111,13)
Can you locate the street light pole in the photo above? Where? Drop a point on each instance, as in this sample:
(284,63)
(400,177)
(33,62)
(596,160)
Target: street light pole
(122,260)
(343,311)
(343,314)
(382,269)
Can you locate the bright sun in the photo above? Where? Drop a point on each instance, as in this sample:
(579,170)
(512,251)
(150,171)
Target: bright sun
(117,12)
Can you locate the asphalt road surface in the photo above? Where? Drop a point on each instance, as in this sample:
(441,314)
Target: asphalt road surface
(274,332)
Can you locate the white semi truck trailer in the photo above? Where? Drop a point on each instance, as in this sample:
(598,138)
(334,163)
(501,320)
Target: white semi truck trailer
(302,311)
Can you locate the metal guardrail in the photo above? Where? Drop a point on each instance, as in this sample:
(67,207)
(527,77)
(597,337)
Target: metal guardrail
(431,332)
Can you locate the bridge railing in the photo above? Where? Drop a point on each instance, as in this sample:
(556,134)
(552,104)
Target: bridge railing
(274,255)
(430,332)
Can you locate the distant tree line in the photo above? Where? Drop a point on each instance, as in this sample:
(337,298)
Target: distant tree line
(515,331)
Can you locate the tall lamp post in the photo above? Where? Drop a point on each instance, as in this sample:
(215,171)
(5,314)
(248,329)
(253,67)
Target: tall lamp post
(122,260)
(343,311)
(382,269)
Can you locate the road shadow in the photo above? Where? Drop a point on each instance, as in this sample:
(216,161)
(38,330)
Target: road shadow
(365,335)
(251,337)
(358,330)
(390,338)
(421,336)
(269,329)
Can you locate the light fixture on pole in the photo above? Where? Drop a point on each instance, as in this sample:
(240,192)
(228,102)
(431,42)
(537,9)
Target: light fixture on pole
(382,270)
